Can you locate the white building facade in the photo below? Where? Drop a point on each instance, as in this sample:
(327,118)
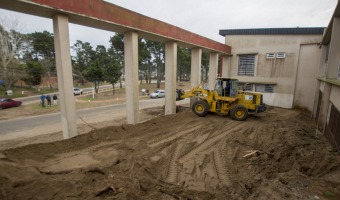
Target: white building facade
(281,63)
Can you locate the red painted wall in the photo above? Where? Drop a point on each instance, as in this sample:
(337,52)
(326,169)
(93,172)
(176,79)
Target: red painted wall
(118,15)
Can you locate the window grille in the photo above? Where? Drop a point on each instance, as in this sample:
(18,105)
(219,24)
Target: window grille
(246,86)
(281,55)
(246,65)
(270,55)
(264,88)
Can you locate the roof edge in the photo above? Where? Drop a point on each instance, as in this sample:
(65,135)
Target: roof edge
(274,31)
(328,33)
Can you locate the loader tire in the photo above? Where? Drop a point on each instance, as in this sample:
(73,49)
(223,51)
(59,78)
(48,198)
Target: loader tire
(239,113)
(200,108)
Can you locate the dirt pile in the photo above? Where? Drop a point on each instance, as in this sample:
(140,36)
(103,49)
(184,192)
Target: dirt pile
(274,156)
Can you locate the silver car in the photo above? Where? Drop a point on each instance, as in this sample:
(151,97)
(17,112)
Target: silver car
(77,91)
(157,94)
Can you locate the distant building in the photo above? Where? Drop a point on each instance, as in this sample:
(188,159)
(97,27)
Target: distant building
(281,63)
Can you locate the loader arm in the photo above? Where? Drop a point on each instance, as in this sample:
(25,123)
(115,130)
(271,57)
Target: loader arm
(196,91)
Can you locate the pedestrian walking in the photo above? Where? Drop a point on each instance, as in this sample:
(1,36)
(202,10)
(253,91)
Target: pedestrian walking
(55,99)
(48,98)
(42,98)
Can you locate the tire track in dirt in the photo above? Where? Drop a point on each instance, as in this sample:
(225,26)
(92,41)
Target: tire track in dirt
(164,130)
(173,168)
(223,126)
(175,136)
(166,197)
(90,147)
(230,153)
(222,171)
(209,142)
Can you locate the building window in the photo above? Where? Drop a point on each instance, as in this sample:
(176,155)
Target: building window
(246,65)
(281,55)
(270,55)
(245,86)
(264,88)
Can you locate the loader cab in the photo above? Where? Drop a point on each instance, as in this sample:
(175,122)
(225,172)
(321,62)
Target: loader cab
(226,87)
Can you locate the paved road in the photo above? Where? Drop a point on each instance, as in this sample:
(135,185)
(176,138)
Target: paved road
(50,123)
(36,98)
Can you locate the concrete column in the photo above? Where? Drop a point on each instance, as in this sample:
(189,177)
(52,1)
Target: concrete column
(170,77)
(196,63)
(226,66)
(131,77)
(316,100)
(323,63)
(324,106)
(65,78)
(334,51)
(213,65)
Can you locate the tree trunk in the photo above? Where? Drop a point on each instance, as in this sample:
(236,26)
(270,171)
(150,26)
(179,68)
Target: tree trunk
(149,71)
(180,74)
(158,73)
(113,89)
(158,80)
(49,82)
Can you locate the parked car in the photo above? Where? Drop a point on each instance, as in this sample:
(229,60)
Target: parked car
(157,94)
(77,91)
(8,103)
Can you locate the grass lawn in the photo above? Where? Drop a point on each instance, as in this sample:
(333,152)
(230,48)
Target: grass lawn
(25,92)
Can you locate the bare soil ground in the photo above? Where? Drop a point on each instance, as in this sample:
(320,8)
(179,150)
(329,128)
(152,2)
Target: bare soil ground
(277,155)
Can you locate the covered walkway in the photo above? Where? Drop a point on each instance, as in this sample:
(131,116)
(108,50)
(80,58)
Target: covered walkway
(103,15)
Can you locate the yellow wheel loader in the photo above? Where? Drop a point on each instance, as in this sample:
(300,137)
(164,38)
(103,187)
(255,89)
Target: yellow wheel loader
(224,99)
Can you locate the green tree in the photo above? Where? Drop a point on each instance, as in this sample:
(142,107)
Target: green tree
(111,66)
(117,45)
(43,51)
(42,45)
(116,52)
(112,73)
(84,56)
(35,71)
(183,63)
(157,50)
(95,73)
(144,61)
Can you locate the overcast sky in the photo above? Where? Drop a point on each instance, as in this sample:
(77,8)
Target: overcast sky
(203,17)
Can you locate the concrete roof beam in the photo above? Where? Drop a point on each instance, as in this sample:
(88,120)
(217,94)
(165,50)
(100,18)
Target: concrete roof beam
(106,16)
